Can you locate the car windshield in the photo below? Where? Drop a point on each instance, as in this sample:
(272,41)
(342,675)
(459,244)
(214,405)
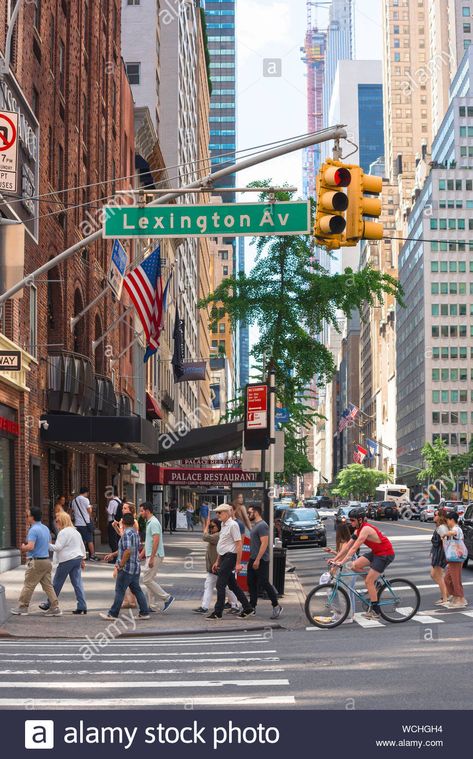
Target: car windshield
(452,505)
(302,515)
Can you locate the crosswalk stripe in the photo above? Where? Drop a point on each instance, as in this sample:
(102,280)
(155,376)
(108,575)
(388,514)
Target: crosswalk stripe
(188,671)
(363,622)
(124,685)
(196,701)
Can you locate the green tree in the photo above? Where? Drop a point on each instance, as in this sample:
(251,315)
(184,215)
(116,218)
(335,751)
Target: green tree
(288,296)
(358,482)
(438,462)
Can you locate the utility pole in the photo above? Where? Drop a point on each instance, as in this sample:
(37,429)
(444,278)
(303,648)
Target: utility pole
(332,133)
(272,443)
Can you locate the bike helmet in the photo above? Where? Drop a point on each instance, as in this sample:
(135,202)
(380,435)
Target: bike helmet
(357,514)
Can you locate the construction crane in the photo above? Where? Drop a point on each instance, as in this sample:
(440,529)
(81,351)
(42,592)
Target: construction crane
(314,57)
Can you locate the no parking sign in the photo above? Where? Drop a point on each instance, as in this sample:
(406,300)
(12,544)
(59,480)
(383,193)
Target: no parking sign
(8,151)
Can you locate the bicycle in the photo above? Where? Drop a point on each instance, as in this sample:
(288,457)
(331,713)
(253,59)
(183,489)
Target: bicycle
(328,605)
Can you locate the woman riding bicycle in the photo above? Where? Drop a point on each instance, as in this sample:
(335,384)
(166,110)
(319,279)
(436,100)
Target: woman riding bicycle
(381,554)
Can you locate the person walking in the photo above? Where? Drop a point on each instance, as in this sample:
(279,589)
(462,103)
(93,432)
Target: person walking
(153,553)
(127,572)
(210,536)
(241,514)
(38,568)
(69,560)
(204,512)
(437,556)
(114,514)
(173,507)
(82,515)
(453,575)
(258,565)
(166,515)
(228,562)
(190,516)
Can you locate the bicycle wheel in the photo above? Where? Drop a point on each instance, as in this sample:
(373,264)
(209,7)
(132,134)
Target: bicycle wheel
(398,601)
(326,607)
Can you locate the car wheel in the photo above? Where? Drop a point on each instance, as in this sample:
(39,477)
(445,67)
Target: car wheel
(323,543)
(465,563)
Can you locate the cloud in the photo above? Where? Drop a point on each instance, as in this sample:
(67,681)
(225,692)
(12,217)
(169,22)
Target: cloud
(263,25)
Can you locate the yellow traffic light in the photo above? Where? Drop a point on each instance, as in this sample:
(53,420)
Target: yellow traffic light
(361,205)
(332,203)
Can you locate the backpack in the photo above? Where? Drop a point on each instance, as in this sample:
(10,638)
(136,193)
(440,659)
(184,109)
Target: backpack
(119,511)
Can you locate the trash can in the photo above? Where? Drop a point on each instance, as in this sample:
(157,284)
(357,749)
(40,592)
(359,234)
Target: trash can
(279,569)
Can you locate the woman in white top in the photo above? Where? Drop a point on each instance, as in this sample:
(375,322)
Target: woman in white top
(69,559)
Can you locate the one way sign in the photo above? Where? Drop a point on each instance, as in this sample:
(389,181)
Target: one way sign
(8,151)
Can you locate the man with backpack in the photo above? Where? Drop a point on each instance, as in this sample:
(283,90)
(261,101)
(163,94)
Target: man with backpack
(114,514)
(81,511)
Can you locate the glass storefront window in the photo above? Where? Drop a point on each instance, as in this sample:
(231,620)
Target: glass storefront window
(7,522)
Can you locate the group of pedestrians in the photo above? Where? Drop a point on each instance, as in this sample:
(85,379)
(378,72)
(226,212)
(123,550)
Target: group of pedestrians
(447,557)
(224,537)
(137,563)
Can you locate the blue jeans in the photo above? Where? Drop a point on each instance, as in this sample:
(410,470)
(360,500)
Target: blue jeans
(126,580)
(71,569)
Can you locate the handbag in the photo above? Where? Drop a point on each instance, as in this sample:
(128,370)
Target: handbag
(455,550)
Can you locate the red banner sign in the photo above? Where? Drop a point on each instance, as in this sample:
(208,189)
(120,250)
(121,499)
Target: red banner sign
(173,476)
(12,428)
(257,407)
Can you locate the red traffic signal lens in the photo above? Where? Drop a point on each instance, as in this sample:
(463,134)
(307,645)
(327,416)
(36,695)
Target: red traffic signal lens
(342,177)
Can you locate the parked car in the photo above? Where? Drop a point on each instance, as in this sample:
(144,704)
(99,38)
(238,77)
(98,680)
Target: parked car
(467,527)
(303,526)
(457,506)
(383,510)
(410,510)
(342,514)
(427,513)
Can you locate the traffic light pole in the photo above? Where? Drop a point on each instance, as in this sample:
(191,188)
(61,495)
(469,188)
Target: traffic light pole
(332,133)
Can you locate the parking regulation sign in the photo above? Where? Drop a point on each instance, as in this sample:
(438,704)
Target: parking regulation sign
(8,151)
(117,269)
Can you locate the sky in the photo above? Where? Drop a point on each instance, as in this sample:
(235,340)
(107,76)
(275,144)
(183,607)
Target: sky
(271,108)
(274,108)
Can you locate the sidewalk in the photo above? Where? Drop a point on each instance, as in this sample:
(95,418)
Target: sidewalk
(182,575)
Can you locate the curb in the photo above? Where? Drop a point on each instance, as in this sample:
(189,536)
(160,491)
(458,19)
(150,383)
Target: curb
(5,634)
(193,631)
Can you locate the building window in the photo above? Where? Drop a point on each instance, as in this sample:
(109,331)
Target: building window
(37,14)
(60,167)
(225,271)
(133,72)
(133,2)
(62,66)
(466,13)
(33,343)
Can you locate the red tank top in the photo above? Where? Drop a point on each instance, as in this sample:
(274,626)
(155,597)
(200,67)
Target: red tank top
(384,548)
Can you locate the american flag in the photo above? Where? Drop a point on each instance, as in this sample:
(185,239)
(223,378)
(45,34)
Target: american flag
(145,287)
(348,415)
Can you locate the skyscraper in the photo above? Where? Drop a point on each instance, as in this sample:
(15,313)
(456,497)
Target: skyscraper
(339,46)
(434,341)
(221,36)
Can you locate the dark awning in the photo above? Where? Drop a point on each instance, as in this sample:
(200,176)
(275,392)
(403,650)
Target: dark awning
(124,438)
(198,443)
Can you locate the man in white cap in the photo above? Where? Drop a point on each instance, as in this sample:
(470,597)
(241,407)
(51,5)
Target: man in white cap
(228,562)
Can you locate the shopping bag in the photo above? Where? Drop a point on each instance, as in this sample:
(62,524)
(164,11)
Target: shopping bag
(455,550)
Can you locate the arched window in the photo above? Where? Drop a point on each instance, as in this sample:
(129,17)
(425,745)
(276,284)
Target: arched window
(79,331)
(55,315)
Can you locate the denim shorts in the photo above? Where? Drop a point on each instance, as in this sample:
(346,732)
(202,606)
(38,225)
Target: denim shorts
(378,563)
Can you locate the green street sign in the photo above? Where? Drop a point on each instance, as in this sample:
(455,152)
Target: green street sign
(231,219)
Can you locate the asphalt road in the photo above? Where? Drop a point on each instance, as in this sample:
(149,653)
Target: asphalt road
(425,663)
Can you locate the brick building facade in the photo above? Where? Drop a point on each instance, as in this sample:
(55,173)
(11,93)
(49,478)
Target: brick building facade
(66,60)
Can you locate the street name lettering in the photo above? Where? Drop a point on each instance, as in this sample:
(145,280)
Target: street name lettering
(208,220)
(10,361)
